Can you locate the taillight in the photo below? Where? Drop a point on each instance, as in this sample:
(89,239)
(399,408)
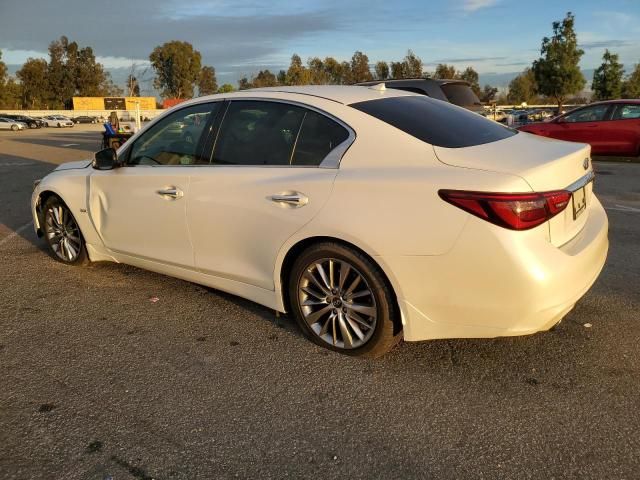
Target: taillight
(516,211)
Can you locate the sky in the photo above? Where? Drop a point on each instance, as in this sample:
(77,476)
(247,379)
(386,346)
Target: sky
(497,37)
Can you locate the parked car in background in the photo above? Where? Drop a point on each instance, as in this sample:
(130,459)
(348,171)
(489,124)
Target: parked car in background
(8,124)
(304,200)
(84,119)
(610,127)
(28,121)
(457,92)
(57,121)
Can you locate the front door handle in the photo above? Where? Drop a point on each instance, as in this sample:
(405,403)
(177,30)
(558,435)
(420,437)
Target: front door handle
(171,192)
(293,199)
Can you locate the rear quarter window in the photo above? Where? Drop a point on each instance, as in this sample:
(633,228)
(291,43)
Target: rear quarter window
(436,122)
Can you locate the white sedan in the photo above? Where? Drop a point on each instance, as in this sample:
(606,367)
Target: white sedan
(367,214)
(59,121)
(8,124)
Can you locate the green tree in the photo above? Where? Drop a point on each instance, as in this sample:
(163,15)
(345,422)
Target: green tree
(317,71)
(297,74)
(523,88)
(335,71)
(177,66)
(225,88)
(3,71)
(207,81)
(11,95)
(382,70)
(631,85)
(556,71)
(398,70)
(607,79)
(244,83)
(412,65)
(133,87)
(488,94)
(60,81)
(470,76)
(359,71)
(264,78)
(35,83)
(282,77)
(444,71)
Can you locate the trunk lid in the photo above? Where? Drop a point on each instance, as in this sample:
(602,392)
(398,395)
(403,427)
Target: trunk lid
(545,164)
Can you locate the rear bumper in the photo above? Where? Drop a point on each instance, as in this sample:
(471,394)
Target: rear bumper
(495,282)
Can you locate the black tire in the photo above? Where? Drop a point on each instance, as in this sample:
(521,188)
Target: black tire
(33,125)
(387,331)
(14,128)
(72,231)
(59,126)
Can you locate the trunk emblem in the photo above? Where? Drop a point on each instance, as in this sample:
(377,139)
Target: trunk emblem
(585,163)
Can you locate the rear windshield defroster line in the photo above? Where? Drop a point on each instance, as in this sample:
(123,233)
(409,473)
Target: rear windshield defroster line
(435,122)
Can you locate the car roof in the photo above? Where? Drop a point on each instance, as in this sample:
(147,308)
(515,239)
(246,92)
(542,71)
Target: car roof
(345,94)
(416,81)
(619,100)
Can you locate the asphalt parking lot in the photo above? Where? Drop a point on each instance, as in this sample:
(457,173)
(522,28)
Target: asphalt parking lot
(98,381)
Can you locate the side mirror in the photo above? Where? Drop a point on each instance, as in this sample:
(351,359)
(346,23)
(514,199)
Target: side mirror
(106,159)
(560,120)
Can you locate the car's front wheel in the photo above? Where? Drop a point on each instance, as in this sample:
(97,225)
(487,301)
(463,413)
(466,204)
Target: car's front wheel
(62,233)
(342,301)
(14,127)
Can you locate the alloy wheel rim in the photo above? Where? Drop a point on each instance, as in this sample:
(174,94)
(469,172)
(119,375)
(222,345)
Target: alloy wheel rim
(337,303)
(63,233)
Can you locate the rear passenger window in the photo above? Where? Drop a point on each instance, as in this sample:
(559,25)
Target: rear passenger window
(627,112)
(258,133)
(318,136)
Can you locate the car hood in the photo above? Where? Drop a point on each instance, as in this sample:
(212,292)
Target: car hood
(73,165)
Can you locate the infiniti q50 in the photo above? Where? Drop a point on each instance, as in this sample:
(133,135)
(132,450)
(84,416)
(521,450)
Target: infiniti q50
(367,214)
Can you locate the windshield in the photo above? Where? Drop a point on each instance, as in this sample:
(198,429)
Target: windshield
(436,122)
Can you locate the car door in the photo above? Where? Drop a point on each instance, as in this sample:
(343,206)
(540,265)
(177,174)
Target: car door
(139,209)
(272,170)
(582,125)
(622,134)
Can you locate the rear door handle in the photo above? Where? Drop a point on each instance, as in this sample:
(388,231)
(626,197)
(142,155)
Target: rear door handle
(293,199)
(171,192)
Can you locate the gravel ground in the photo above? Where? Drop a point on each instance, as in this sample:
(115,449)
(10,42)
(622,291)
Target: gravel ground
(100,382)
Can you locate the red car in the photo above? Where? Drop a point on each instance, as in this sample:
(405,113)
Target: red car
(611,127)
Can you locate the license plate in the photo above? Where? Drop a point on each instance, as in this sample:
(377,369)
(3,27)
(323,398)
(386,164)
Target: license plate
(579,200)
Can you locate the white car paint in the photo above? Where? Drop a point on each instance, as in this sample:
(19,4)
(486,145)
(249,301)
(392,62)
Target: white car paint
(8,124)
(454,275)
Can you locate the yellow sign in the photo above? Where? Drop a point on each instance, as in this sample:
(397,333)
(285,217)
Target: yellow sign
(125,103)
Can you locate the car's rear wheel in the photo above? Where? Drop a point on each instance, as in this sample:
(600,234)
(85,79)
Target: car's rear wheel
(62,233)
(342,301)
(59,126)
(33,125)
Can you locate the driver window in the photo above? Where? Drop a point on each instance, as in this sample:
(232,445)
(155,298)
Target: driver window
(595,113)
(176,139)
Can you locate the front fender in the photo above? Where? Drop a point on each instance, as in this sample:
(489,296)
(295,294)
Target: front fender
(72,186)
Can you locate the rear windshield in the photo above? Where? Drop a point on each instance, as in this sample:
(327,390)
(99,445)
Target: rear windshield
(436,122)
(460,94)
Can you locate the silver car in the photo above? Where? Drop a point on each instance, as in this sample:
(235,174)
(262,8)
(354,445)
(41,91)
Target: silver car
(7,124)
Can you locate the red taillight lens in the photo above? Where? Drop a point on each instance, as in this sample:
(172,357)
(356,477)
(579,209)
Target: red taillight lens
(516,211)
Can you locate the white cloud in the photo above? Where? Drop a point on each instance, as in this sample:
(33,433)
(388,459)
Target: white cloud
(475,5)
